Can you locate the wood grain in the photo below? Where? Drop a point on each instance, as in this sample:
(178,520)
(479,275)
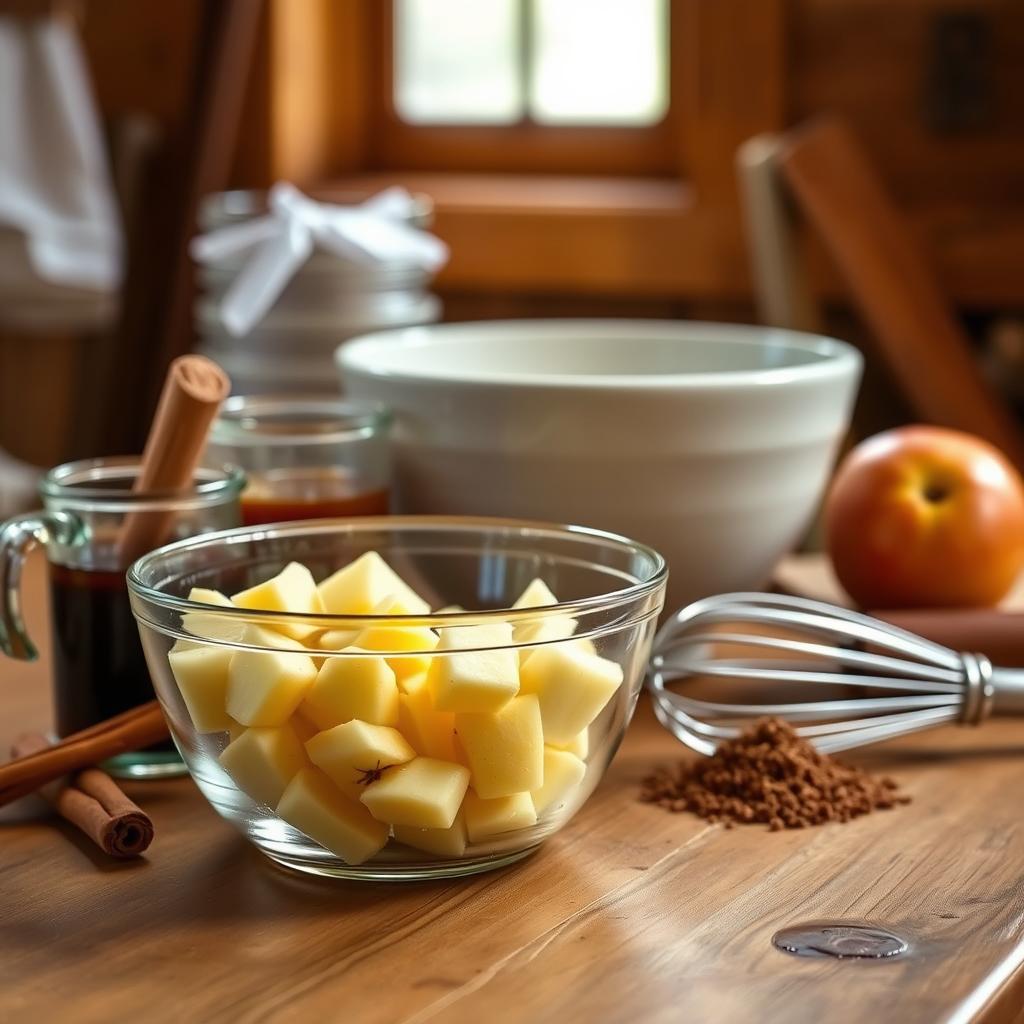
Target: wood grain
(631,914)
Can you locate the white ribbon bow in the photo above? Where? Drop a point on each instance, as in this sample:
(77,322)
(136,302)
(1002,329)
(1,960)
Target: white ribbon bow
(279,243)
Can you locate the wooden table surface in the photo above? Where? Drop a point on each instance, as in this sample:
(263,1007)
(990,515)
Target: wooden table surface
(631,914)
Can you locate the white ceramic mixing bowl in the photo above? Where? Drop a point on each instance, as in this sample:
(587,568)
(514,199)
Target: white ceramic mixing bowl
(710,442)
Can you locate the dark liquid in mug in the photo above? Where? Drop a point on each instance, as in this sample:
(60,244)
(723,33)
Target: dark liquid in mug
(99,667)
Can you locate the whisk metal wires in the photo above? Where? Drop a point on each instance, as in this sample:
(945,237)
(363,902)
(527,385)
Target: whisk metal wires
(899,683)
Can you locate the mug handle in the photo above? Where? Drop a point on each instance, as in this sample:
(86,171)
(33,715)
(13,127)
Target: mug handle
(17,538)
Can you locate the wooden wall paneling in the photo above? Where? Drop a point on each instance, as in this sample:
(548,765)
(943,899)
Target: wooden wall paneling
(868,61)
(731,86)
(39,391)
(139,55)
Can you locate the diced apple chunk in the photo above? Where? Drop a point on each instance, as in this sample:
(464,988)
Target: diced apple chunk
(410,684)
(474,680)
(353,686)
(563,772)
(536,595)
(361,586)
(546,629)
(429,731)
(263,761)
(572,687)
(262,636)
(504,749)
(351,752)
(292,590)
(401,638)
(265,687)
(304,728)
(424,793)
(210,625)
(313,806)
(336,639)
(442,842)
(201,673)
(488,818)
(580,745)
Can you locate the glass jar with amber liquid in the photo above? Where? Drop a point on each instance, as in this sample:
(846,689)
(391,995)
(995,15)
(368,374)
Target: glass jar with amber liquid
(305,457)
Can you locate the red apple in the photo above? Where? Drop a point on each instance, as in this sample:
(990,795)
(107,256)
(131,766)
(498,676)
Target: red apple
(924,516)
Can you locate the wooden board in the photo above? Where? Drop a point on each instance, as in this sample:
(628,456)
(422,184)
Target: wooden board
(631,914)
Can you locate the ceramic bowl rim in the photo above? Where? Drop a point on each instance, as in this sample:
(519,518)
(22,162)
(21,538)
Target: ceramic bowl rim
(837,360)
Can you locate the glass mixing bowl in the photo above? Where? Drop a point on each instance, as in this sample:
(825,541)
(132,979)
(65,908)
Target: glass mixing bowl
(611,587)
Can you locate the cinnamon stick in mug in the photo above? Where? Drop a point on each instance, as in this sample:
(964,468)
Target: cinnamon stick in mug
(193,390)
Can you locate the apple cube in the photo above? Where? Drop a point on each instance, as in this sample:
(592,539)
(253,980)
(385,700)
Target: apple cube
(201,673)
(536,595)
(580,745)
(293,589)
(474,680)
(401,638)
(263,761)
(563,772)
(546,630)
(262,636)
(336,639)
(423,793)
(572,686)
(210,625)
(362,586)
(353,686)
(313,806)
(429,731)
(410,684)
(265,687)
(304,727)
(504,749)
(351,752)
(442,842)
(487,818)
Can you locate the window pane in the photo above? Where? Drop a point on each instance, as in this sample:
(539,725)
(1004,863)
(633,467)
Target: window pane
(456,61)
(599,61)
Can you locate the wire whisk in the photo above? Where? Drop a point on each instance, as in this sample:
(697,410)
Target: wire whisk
(900,683)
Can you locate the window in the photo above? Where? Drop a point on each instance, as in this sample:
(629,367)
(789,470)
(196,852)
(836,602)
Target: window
(555,62)
(549,86)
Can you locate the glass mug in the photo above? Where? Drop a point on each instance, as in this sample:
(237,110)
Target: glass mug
(305,457)
(98,666)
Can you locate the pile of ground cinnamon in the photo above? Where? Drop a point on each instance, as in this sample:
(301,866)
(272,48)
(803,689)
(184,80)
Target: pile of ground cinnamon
(769,775)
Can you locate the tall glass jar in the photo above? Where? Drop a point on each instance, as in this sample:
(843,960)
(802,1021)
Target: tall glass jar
(305,457)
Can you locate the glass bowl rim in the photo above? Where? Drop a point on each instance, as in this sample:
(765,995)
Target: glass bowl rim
(610,599)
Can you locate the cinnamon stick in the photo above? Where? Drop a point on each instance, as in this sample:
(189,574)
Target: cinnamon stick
(131,730)
(193,390)
(92,801)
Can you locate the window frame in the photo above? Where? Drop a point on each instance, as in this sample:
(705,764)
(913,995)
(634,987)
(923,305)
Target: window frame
(521,148)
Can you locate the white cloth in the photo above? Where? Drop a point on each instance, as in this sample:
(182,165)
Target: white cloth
(56,195)
(277,244)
